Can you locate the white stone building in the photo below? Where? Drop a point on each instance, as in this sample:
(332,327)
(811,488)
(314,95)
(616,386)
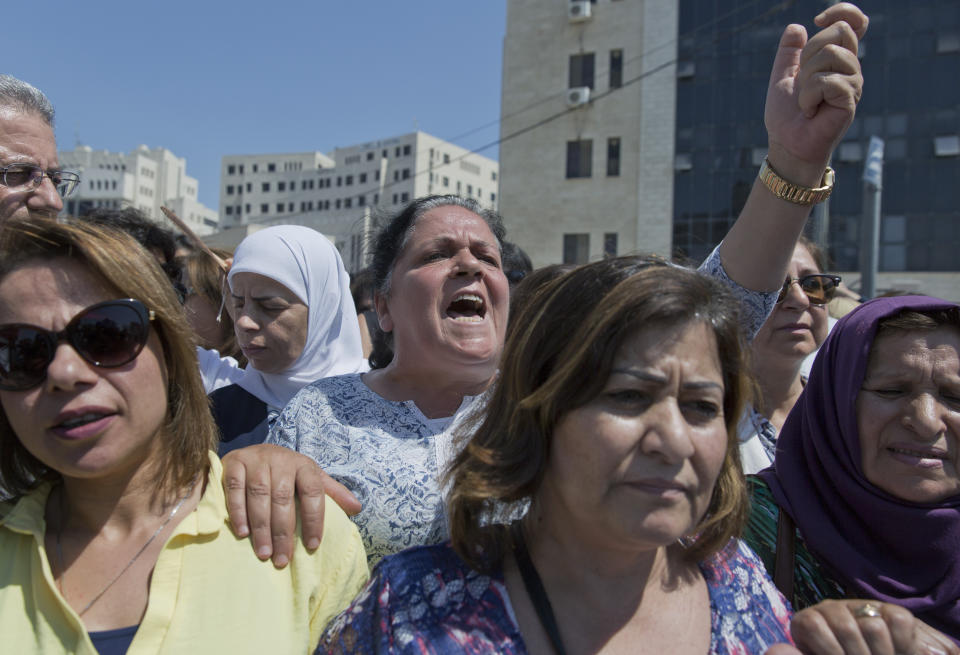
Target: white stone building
(587,127)
(144,178)
(341,194)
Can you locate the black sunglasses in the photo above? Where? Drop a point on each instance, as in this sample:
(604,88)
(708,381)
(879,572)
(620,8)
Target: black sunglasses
(819,287)
(108,334)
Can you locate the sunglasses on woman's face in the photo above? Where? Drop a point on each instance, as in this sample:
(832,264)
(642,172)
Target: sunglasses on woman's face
(108,334)
(820,288)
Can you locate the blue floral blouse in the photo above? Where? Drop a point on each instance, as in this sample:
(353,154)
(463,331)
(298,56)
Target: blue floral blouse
(427,600)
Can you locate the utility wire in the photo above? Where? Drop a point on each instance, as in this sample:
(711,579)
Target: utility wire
(761,18)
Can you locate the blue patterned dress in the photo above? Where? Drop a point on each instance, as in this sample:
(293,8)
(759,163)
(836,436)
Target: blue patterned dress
(427,601)
(387,453)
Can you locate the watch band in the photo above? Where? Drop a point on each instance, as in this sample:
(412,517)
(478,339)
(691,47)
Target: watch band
(799,195)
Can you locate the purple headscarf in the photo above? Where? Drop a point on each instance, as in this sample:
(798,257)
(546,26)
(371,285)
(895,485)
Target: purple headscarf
(874,544)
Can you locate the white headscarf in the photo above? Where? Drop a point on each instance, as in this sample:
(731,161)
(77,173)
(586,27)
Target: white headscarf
(306,263)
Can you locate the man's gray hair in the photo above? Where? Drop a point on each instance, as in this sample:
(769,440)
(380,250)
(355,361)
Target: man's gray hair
(25,98)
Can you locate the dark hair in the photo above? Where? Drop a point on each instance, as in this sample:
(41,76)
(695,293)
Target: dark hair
(157,240)
(516,263)
(528,288)
(392,238)
(126,268)
(578,323)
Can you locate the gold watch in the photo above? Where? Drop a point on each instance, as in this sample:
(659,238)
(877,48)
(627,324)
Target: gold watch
(799,195)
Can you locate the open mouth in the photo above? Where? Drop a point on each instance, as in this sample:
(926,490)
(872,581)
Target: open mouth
(468,308)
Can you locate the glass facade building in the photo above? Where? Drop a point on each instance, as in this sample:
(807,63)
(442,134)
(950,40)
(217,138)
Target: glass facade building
(911,66)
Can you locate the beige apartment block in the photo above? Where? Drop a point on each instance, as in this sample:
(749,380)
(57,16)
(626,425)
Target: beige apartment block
(344,194)
(587,127)
(145,178)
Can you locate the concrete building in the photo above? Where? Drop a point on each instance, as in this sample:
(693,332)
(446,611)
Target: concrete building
(587,125)
(663,154)
(144,178)
(341,194)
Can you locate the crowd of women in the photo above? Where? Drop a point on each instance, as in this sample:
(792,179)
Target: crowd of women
(572,483)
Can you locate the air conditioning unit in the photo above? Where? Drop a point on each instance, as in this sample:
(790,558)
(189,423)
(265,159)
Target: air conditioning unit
(578,96)
(578,11)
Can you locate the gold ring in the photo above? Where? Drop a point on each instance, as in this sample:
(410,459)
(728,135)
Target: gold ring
(867,610)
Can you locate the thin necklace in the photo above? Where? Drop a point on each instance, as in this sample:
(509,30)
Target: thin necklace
(132,559)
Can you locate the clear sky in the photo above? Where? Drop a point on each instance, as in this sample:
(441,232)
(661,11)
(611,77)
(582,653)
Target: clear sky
(209,78)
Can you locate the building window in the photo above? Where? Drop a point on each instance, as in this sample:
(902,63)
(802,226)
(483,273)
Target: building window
(613,157)
(579,158)
(406,173)
(576,248)
(581,70)
(616,69)
(265,187)
(949,42)
(246,208)
(363,178)
(396,151)
(347,202)
(469,189)
(337,205)
(376,198)
(249,188)
(279,207)
(376,175)
(281,186)
(229,210)
(271,168)
(446,158)
(396,176)
(229,189)
(349,180)
(254,168)
(610,244)
(240,169)
(404,197)
(264,208)
(493,176)
(384,153)
(493,197)
(946,146)
(231,170)
(361,201)
(406,150)
(370,155)
(395,198)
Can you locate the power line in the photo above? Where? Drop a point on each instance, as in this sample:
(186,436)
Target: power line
(764,16)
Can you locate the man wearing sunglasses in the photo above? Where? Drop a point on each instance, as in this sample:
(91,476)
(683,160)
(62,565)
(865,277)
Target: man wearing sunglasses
(31,182)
